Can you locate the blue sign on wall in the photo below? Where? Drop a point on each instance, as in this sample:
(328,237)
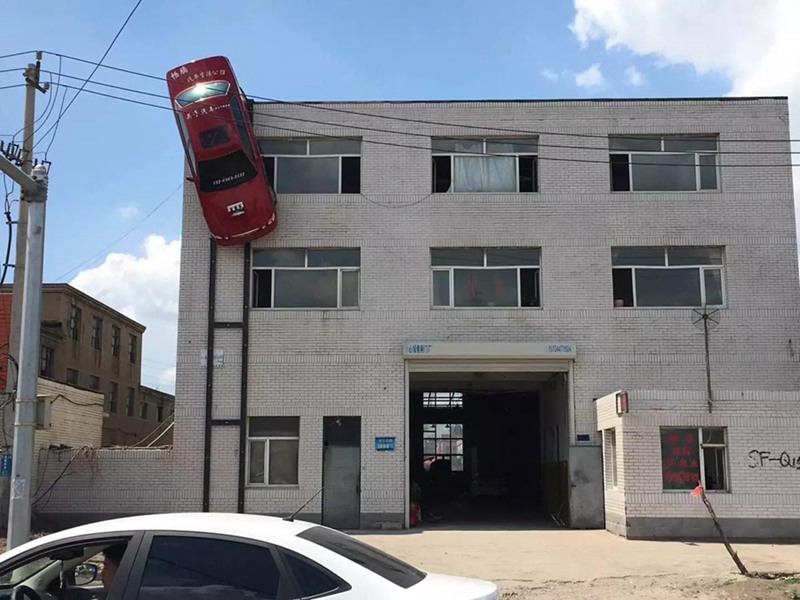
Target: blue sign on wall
(5,464)
(384,444)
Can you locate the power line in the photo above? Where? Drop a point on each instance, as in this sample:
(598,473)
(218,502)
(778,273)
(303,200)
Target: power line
(17,54)
(427,148)
(125,235)
(380,130)
(11,87)
(322,106)
(97,66)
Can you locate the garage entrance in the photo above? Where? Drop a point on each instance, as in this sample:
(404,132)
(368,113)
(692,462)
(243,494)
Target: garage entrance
(488,438)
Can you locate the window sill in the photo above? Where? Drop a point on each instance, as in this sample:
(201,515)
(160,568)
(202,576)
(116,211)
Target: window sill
(272,486)
(344,309)
(486,308)
(714,307)
(717,191)
(690,491)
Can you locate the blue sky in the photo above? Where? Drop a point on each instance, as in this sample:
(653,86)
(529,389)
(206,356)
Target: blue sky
(112,162)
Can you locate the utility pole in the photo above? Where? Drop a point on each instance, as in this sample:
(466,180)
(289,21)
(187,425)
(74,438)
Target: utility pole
(31,87)
(34,193)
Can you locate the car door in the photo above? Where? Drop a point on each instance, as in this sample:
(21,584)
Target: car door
(59,569)
(199,566)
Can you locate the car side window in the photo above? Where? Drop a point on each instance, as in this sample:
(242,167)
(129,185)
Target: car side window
(209,568)
(312,580)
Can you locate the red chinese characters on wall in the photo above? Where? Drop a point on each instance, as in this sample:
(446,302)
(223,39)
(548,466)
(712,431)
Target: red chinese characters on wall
(680,459)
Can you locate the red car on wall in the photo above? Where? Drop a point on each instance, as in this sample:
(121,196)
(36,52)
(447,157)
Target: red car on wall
(227,170)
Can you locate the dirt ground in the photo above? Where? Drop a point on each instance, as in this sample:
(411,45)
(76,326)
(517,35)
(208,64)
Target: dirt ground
(560,564)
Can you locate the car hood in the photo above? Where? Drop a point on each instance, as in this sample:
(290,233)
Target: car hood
(436,586)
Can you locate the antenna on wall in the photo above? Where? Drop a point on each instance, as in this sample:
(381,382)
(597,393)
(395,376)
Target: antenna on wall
(708,320)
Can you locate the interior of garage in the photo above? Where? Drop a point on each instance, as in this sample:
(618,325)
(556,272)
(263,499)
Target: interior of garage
(489,447)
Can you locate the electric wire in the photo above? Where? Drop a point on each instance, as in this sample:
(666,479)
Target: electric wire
(97,66)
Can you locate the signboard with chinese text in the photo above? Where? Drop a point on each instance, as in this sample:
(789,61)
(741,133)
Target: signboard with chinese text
(680,458)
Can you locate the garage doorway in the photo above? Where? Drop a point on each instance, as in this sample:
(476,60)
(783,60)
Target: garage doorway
(489,447)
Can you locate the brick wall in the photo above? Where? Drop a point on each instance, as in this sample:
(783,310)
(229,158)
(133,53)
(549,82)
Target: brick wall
(314,363)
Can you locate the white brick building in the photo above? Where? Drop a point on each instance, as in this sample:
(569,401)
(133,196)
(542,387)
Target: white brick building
(561,291)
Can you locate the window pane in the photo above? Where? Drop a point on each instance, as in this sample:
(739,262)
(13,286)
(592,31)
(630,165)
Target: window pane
(708,172)
(211,569)
(529,287)
(306,289)
(714,462)
(441,288)
(351,174)
(457,257)
(642,143)
(527,174)
(350,288)
(269,167)
(713,435)
(664,172)
(202,90)
(428,446)
(713,281)
(429,430)
(274,426)
(518,146)
(334,146)
(279,258)
(620,173)
(311,579)
(282,146)
(283,460)
(442,430)
(693,255)
(479,287)
(689,144)
(262,288)
(444,145)
(457,430)
(347,257)
(484,174)
(633,256)
(308,176)
(457,463)
(457,446)
(384,565)
(667,287)
(502,257)
(256,462)
(442,176)
(623,287)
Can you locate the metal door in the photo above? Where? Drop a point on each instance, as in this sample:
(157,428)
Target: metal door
(341,472)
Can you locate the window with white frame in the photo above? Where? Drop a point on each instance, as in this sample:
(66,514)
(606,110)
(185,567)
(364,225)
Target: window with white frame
(299,278)
(444,400)
(610,458)
(444,441)
(667,277)
(663,163)
(313,166)
(694,454)
(274,450)
(485,165)
(485,277)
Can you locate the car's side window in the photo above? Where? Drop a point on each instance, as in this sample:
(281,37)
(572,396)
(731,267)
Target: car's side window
(71,571)
(209,568)
(312,580)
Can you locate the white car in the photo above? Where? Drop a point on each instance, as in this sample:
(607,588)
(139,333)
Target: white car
(217,557)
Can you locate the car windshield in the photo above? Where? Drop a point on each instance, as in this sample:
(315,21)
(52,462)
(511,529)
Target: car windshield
(201,91)
(225,172)
(380,563)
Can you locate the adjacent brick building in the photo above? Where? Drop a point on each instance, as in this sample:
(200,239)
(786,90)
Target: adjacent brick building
(459,282)
(87,344)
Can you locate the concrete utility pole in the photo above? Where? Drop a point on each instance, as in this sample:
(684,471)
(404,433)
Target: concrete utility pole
(34,192)
(31,87)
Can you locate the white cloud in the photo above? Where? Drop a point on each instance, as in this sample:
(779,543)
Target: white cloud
(754,44)
(591,77)
(549,74)
(634,77)
(145,288)
(127,212)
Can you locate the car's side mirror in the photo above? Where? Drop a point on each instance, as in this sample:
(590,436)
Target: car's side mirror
(85,574)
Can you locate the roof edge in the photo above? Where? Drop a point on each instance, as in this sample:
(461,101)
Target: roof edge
(538,100)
